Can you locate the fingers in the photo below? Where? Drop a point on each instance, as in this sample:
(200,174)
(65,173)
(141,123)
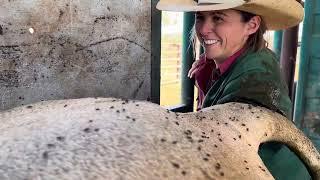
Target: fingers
(193,73)
(193,69)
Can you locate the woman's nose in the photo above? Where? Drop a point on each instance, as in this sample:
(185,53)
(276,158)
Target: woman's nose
(206,27)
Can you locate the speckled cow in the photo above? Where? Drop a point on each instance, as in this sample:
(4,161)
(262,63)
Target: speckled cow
(120,139)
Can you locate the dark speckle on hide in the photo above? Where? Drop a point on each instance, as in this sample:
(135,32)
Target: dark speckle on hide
(166,117)
(247,129)
(60,138)
(29,107)
(211,130)
(174,142)
(175,165)
(177,123)
(199,148)
(221,174)
(216,146)
(239,136)
(97,109)
(65,105)
(247,168)
(96,130)
(163,140)
(133,119)
(249,144)
(245,161)
(50,145)
(188,132)
(128,117)
(87,130)
(90,121)
(137,104)
(200,140)
(258,117)
(243,124)
(118,111)
(234,139)
(220,139)
(123,110)
(205,159)
(265,134)
(218,166)
(111,107)
(183,173)
(45,155)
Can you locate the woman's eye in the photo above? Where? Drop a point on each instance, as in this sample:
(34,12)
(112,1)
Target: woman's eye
(199,18)
(217,19)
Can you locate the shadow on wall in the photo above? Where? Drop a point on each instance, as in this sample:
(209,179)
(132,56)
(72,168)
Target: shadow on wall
(74,49)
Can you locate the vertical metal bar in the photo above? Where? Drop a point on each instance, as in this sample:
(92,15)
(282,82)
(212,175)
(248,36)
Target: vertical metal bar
(155,52)
(304,63)
(288,59)
(288,56)
(187,60)
(277,43)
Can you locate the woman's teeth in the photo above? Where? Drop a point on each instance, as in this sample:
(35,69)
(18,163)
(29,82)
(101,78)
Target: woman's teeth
(210,42)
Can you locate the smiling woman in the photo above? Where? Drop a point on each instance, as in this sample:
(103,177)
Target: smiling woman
(216,32)
(236,64)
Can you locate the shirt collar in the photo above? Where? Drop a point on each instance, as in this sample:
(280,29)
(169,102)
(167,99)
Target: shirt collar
(228,62)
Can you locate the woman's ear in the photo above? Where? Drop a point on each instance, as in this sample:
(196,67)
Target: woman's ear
(253,25)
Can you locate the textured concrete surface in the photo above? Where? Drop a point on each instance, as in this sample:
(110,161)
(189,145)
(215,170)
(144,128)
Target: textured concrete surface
(57,49)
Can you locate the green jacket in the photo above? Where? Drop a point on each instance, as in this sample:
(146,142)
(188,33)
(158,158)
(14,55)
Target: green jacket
(255,78)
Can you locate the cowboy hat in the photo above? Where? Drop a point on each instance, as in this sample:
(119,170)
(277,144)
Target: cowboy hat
(278,14)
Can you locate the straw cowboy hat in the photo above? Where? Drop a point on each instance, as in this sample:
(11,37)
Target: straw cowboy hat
(278,14)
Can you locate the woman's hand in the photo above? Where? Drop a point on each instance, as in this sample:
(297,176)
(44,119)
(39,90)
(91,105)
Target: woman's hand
(194,69)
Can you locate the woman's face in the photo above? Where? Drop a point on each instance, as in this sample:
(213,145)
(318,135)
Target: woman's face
(221,33)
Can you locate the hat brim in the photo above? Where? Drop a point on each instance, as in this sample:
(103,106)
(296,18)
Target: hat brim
(282,16)
(193,7)
(277,14)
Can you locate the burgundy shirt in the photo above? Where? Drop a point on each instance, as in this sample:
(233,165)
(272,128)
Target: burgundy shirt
(207,73)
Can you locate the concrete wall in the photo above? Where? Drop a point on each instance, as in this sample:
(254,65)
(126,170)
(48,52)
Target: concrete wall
(79,48)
